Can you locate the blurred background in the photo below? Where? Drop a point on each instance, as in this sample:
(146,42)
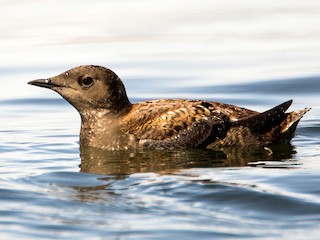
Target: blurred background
(162,45)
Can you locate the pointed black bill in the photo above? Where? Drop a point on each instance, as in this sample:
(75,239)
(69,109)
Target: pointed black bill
(46,83)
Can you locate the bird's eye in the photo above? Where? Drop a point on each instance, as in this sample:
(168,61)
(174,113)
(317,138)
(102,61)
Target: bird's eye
(86,82)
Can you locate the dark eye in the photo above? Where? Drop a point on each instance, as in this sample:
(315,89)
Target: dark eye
(86,82)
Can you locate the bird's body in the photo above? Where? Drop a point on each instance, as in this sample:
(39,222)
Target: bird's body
(110,121)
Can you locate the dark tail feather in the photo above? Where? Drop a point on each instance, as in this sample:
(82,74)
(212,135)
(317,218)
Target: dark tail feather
(286,130)
(264,122)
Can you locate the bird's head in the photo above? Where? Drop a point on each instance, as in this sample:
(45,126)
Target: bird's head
(88,87)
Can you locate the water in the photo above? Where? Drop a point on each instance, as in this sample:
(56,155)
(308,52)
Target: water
(253,54)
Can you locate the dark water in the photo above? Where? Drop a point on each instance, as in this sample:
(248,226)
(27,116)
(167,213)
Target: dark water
(255,54)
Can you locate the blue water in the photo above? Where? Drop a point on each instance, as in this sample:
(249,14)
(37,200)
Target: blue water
(252,55)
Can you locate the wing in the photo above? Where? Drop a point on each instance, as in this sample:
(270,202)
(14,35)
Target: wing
(192,136)
(175,124)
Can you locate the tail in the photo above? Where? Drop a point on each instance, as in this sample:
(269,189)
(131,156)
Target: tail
(274,125)
(286,130)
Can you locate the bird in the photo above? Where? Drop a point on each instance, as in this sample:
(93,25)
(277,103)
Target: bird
(110,121)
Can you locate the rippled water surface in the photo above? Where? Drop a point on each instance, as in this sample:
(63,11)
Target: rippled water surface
(252,54)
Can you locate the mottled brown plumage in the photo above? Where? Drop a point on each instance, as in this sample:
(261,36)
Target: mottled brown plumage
(110,121)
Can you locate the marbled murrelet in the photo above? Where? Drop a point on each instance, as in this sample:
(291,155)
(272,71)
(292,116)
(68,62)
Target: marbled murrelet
(110,121)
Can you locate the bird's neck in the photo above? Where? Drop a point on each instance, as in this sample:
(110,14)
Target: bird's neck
(99,128)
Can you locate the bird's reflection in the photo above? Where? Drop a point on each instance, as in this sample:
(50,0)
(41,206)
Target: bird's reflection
(125,162)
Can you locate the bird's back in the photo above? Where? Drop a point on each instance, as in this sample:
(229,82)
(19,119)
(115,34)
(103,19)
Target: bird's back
(172,124)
